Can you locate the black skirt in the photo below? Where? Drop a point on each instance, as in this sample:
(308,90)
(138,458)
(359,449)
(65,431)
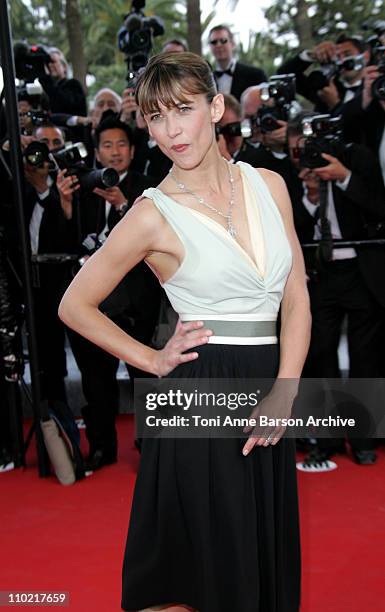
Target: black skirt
(210,528)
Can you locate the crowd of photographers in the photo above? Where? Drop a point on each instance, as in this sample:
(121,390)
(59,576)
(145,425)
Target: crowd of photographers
(319,122)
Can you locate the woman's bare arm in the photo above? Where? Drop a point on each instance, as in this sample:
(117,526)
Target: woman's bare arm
(295,306)
(129,242)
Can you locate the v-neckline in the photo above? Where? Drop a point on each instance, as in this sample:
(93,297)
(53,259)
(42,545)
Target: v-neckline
(220,227)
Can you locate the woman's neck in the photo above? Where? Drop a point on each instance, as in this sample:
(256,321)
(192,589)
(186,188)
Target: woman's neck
(209,176)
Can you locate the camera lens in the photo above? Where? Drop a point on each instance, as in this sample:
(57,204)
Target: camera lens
(109,177)
(35,159)
(378,88)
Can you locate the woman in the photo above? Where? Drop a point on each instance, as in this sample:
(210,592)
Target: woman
(214,522)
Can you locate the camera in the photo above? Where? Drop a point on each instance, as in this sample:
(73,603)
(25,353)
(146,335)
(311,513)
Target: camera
(378,87)
(91,243)
(135,38)
(320,78)
(351,62)
(323,134)
(37,117)
(72,158)
(281,91)
(237,128)
(30,61)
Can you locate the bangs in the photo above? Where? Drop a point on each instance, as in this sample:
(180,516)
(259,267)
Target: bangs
(168,86)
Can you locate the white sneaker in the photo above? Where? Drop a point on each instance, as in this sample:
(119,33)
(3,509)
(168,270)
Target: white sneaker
(7,467)
(321,466)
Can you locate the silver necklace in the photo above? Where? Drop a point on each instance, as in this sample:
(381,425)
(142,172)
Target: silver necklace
(230,227)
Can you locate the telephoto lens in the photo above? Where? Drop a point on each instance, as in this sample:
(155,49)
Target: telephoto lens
(36,154)
(104,178)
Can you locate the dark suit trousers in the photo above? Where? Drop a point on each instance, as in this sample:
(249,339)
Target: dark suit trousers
(337,292)
(100,387)
(50,342)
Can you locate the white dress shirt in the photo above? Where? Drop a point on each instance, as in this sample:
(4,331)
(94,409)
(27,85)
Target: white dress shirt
(36,218)
(225,81)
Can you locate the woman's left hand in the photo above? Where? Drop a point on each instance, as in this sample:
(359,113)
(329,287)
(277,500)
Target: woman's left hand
(277,405)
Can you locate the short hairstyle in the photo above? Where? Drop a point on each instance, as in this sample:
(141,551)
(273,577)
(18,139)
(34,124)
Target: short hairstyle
(35,100)
(168,78)
(49,125)
(357,41)
(176,41)
(231,103)
(252,89)
(112,122)
(222,27)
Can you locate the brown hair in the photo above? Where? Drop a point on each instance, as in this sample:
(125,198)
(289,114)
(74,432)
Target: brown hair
(168,79)
(222,27)
(231,103)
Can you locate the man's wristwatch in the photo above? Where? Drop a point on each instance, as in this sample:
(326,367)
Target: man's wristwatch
(122,208)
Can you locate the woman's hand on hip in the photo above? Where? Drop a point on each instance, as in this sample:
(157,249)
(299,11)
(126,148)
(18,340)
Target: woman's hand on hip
(185,337)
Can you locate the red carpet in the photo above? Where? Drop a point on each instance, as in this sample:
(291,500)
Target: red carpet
(56,538)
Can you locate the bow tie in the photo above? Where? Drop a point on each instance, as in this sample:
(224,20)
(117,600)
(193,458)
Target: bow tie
(219,73)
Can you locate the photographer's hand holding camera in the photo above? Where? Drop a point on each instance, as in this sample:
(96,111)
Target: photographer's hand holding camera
(371,76)
(276,139)
(67,185)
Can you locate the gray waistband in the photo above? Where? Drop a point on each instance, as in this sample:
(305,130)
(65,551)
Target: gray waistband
(243,329)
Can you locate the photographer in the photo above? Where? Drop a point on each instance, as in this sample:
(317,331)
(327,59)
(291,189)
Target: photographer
(65,95)
(51,232)
(339,78)
(105,99)
(368,112)
(260,149)
(133,305)
(343,281)
(148,159)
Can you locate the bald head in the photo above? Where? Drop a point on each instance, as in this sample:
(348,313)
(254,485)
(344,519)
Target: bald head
(251,101)
(105,99)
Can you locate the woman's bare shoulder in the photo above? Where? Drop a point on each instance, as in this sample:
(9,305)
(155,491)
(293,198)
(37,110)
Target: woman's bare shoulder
(144,212)
(277,188)
(271,177)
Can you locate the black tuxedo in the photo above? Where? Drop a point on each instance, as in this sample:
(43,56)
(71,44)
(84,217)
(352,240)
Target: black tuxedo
(65,95)
(349,287)
(56,235)
(358,209)
(365,126)
(149,160)
(133,306)
(262,157)
(245,76)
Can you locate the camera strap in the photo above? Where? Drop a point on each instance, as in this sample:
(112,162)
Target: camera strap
(324,252)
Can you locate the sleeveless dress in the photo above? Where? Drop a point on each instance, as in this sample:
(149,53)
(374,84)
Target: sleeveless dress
(210,528)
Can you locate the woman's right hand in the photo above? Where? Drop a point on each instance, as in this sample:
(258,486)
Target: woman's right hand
(186,336)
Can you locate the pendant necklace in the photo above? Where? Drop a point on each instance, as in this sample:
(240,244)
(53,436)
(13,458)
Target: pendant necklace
(230,227)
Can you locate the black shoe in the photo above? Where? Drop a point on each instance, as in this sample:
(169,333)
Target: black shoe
(364,457)
(98,459)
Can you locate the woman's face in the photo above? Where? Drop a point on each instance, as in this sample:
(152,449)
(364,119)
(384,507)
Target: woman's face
(185,132)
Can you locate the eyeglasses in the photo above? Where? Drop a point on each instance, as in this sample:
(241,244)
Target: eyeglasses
(222,41)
